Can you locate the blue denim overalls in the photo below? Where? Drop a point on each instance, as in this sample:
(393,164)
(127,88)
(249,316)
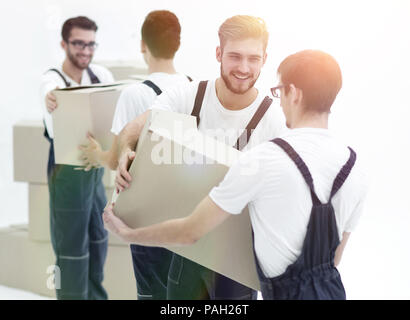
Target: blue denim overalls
(313,275)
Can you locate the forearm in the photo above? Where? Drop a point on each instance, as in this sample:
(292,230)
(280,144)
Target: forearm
(108,159)
(176,232)
(128,137)
(206,216)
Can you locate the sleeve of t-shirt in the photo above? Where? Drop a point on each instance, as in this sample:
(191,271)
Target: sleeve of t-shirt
(49,81)
(353,220)
(130,105)
(241,184)
(179,98)
(362,182)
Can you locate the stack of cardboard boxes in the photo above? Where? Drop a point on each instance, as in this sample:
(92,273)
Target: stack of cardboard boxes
(26,253)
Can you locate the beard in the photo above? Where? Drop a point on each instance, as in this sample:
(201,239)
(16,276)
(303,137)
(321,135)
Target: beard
(230,86)
(75,61)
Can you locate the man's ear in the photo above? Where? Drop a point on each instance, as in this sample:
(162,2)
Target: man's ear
(218,54)
(143,47)
(296,94)
(63,44)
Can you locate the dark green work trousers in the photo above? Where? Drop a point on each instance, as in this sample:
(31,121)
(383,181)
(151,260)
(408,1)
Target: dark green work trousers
(79,240)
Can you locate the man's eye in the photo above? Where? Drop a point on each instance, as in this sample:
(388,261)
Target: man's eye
(255,59)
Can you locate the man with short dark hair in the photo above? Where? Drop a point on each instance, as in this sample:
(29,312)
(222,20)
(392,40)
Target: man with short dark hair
(305,198)
(160,41)
(76,196)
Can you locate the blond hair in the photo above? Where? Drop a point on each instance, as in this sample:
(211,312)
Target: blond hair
(241,27)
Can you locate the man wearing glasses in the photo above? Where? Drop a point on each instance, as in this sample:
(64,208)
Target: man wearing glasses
(77,197)
(304,199)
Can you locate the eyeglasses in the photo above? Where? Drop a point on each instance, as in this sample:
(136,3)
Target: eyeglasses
(81,45)
(276,90)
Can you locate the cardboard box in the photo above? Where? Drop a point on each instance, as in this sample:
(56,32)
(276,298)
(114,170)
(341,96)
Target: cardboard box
(29,143)
(81,110)
(39,214)
(24,263)
(172,190)
(30,152)
(125,69)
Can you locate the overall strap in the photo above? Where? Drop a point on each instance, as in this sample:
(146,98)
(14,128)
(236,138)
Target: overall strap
(93,77)
(66,82)
(260,112)
(343,173)
(198,100)
(301,165)
(153,86)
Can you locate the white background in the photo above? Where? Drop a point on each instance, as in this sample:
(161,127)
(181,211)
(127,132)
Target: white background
(370,40)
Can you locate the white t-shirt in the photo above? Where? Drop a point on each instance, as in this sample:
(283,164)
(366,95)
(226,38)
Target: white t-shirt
(219,122)
(279,198)
(137,98)
(51,80)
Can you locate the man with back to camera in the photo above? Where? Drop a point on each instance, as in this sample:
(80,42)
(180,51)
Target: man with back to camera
(160,35)
(227,108)
(76,196)
(305,198)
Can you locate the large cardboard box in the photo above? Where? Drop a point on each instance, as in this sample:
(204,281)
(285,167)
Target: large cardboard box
(39,214)
(81,110)
(30,152)
(174,169)
(24,264)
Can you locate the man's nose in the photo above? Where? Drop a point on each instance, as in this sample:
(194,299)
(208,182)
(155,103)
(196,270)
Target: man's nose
(243,66)
(87,49)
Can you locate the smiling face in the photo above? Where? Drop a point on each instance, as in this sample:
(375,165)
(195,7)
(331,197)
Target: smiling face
(241,63)
(79,57)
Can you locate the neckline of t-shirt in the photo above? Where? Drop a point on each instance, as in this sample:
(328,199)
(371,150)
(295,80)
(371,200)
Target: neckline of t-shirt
(161,74)
(221,108)
(321,131)
(72,81)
